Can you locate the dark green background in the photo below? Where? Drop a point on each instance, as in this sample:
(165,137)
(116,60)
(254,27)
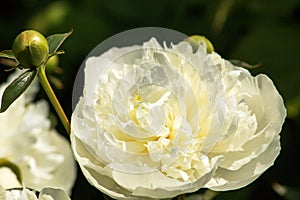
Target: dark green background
(257,31)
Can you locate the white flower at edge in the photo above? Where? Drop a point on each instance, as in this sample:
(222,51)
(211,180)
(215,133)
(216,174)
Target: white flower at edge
(25,194)
(156,122)
(43,156)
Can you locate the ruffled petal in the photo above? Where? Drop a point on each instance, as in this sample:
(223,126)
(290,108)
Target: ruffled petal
(225,179)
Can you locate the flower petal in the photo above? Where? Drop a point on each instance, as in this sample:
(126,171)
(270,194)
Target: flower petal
(225,179)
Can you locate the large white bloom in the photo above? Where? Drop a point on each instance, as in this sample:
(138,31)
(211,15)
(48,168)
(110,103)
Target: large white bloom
(43,156)
(156,122)
(25,194)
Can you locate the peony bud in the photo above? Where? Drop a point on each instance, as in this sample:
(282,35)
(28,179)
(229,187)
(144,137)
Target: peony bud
(30,49)
(52,64)
(195,40)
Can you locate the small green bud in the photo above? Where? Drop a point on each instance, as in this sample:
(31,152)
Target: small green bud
(30,49)
(195,40)
(52,64)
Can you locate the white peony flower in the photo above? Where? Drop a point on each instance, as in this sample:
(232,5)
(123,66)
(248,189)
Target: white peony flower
(43,156)
(156,122)
(25,194)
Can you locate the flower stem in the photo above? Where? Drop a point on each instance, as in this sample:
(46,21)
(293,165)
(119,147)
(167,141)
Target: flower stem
(209,194)
(47,87)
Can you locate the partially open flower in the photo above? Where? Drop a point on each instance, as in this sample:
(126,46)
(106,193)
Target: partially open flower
(156,122)
(30,48)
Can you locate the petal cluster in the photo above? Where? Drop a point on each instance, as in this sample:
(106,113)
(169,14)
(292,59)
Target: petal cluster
(157,121)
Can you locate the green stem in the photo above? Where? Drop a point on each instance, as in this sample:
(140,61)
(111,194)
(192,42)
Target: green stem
(210,194)
(47,87)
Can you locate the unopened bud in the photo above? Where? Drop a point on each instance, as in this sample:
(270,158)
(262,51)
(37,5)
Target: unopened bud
(52,64)
(195,40)
(30,49)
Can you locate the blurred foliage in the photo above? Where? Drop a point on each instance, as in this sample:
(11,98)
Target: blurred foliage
(256,31)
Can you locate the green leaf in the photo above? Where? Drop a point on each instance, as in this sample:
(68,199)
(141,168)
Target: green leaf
(13,167)
(9,62)
(7,54)
(7,58)
(16,88)
(55,41)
